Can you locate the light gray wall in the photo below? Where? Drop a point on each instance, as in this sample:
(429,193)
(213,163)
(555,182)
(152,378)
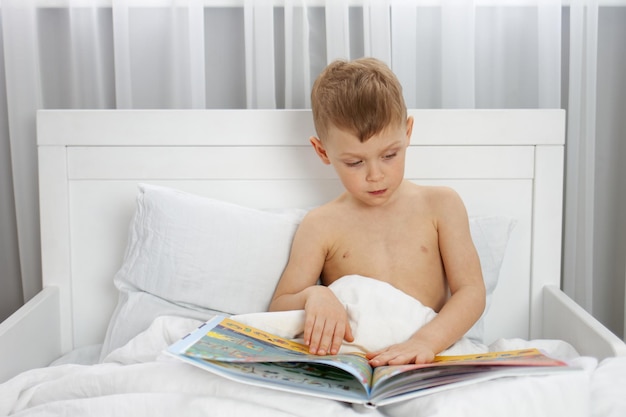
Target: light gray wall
(10,280)
(610,225)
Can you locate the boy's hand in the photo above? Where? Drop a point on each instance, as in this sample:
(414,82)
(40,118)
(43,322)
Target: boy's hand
(411,351)
(326,324)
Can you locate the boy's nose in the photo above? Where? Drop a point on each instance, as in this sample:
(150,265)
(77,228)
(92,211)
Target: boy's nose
(374,173)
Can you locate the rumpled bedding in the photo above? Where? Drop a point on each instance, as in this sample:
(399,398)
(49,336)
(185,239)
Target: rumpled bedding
(380,315)
(138,379)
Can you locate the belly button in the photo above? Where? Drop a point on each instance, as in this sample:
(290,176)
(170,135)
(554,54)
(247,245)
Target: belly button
(346,255)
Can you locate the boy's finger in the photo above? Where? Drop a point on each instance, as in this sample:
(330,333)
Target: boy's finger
(317,338)
(327,338)
(380,357)
(377,361)
(337,340)
(373,354)
(316,335)
(348,333)
(309,322)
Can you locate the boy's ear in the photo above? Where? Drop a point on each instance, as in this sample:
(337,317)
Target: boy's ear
(319,149)
(409,128)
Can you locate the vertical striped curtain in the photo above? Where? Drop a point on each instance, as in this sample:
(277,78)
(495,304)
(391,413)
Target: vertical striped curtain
(191,54)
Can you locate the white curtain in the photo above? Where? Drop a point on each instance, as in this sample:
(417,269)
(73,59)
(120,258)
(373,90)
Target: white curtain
(266,53)
(580,165)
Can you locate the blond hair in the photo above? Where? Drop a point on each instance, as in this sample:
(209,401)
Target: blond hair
(362,96)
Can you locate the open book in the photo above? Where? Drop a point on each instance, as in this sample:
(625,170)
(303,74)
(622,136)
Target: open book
(246,354)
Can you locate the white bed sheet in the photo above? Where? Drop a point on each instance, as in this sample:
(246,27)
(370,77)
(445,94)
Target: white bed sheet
(139,379)
(608,386)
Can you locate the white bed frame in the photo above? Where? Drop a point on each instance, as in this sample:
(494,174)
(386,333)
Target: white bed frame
(503,162)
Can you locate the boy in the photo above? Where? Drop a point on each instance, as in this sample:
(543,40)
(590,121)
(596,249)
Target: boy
(414,237)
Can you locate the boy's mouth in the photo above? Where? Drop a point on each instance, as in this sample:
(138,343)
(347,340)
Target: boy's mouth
(377,192)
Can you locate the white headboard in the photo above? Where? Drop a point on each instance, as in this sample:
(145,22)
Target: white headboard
(502,162)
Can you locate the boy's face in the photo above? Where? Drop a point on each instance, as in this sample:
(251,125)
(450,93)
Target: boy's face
(370,171)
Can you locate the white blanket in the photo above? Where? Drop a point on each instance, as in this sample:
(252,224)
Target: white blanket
(380,315)
(139,380)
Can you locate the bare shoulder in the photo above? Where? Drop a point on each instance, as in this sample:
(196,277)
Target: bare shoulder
(318,223)
(447,198)
(440,200)
(308,252)
(319,215)
(325,214)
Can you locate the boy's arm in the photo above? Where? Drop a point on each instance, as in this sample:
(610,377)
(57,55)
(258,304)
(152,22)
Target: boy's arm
(326,321)
(464,276)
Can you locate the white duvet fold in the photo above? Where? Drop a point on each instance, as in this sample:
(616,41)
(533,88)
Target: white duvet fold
(380,315)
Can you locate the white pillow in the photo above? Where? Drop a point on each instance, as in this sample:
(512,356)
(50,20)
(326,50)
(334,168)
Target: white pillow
(490,236)
(192,256)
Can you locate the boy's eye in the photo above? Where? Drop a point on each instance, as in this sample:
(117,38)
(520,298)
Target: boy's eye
(390,155)
(354,164)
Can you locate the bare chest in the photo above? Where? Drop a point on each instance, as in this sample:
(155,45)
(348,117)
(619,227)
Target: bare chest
(405,254)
